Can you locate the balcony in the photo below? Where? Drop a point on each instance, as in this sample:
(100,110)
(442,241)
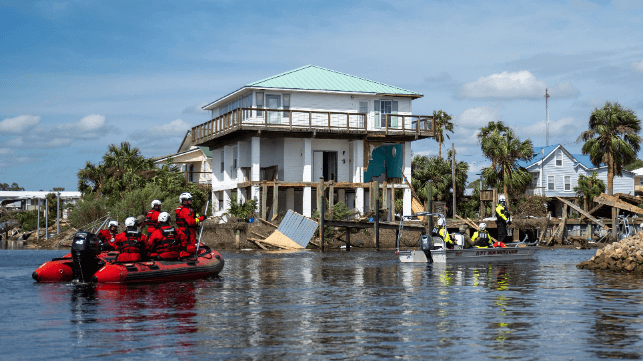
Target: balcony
(404,127)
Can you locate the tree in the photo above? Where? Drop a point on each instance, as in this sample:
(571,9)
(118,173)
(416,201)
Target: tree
(612,139)
(13,187)
(438,170)
(634,165)
(485,140)
(58,189)
(505,149)
(442,125)
(588,188)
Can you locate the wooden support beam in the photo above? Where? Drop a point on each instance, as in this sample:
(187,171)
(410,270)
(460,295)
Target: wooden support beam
(591,211)
(268,223)
(392,218)
(257,234)
(617,203)
(331,194)
(275,200)
(385,204)
(581,211)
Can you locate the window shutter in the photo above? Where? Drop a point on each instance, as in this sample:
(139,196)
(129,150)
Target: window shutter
(394,111)
(377,113)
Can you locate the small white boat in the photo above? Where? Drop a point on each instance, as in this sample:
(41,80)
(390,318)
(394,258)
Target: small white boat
(437,252)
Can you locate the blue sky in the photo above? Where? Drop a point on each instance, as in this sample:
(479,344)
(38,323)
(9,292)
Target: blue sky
(76,76)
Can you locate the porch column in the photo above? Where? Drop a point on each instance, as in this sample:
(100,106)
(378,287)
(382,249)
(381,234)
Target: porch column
(358,173)
(226,200)
(215,202)
(290,198)
(307,176)
(407,172)
(241,197)
(255,172)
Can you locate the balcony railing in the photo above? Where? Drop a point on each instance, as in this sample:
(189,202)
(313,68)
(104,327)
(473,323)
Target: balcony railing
(293,119)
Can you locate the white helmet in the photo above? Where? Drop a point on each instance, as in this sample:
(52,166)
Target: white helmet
(483,226)
(156,202)
(112,223)
(164,217)
(502,198)
(130,222)
(440,222)
(183,196)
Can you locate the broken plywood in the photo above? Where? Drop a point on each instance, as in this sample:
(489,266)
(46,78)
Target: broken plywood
(294,232)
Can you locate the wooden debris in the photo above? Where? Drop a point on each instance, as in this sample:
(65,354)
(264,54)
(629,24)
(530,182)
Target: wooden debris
(473,225)
(579,210)
(617,203)
(258,243)
(268,223)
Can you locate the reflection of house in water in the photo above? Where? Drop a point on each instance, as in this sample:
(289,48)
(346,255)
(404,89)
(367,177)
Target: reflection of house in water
(195,162)
(28,200)
(272,140)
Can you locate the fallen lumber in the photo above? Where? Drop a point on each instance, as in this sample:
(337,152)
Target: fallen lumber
(581,211)
(591,211)
(617,203)
(561,226)
(268,223)
(257,234)
(258,243)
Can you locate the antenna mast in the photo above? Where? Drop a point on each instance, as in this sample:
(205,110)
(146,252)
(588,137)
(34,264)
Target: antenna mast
(547,124)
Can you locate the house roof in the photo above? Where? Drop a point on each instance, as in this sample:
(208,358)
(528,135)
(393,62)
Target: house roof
(205,150)
(544,152)
(315,78)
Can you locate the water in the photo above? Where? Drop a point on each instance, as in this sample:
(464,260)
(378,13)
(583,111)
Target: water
(336,305)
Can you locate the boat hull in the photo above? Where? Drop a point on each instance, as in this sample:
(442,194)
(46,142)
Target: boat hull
(469,255)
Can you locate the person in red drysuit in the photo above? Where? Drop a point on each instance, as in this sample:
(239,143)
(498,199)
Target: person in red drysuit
(166,242)
(131,243)
(107,236)
(187,221)
(152,217)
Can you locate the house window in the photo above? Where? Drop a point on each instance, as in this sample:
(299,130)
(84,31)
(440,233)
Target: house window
(259,104)
(222,161)
(550,182)
(234,160)
(191,174)
(534,180)
(363,107)
(559,158)
(568,183)
(286,105)
(382,108)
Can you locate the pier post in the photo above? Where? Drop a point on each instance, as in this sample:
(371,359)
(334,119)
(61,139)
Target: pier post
(322,211)
(376,226)
(348,239)
(264,195)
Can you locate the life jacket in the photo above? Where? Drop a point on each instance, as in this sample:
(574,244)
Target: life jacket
(170,241)
(482,240)
(132,244)
(501,214)
(180,221)
(149,222)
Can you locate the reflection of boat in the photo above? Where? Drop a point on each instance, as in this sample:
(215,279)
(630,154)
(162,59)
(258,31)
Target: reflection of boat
(86,263)
(434,249)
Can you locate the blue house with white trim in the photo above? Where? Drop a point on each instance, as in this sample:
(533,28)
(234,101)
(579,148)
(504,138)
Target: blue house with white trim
(555,172)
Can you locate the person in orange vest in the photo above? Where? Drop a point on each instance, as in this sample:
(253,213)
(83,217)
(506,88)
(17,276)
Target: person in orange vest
(166,242)
(152,216)
(187,221)
(131,243)
(106,236)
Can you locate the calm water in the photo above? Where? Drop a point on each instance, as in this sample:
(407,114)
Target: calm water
(308,305)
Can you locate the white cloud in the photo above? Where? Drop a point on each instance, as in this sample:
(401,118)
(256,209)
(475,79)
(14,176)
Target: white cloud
(174,128)
(90,123)
(478,117)
(561,129)
(40,141)
(637,66)
(5,151)
(518,85)
(19,124)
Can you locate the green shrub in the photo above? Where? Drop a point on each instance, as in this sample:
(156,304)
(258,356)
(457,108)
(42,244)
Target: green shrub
(242,211)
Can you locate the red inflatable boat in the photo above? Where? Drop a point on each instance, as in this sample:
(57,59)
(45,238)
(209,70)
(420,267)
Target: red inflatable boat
(87,264)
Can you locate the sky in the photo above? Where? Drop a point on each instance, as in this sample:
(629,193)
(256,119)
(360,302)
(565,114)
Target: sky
(76,76)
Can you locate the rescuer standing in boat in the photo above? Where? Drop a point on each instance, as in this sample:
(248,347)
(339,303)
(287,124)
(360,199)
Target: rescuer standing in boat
(152,216)
(131,243)
(166,242)
(481,238)
(107,236)
(503,219)
(444,234)
(187,220)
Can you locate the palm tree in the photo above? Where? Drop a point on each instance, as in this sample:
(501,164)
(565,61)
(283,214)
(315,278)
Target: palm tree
(505,149)
(442,123)
(588,188)
(484,137)
(612,139)
(90,178)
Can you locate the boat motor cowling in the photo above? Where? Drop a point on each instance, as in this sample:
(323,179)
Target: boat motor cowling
(426,243)
(84,249)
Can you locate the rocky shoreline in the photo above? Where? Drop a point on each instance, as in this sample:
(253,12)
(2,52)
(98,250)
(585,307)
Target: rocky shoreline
(623,256)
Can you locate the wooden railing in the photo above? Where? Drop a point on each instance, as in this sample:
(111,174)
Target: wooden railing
(293,119)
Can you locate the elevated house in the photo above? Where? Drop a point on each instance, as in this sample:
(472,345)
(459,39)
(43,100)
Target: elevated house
(195,161)
(282,139)
(555,172)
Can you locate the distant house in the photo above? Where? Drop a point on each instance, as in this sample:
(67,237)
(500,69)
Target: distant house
(195,161)
(28,200)
(638,181)
(555,172)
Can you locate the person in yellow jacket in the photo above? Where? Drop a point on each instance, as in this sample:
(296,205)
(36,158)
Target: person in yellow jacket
(481,238)
(446,237)
(503,219)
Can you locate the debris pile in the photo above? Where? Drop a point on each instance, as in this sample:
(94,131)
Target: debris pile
(623,256)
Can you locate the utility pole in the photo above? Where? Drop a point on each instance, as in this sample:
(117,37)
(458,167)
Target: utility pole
(547,111)
(57,213)
(453,175)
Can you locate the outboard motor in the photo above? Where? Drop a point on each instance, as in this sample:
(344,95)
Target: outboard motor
(426,242)
(84,249)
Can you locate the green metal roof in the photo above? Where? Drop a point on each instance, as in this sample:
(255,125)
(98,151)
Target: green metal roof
(311,77)
(206,151)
